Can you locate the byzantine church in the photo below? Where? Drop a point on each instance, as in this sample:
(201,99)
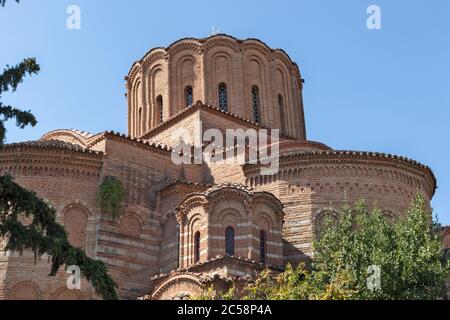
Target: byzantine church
(185,227)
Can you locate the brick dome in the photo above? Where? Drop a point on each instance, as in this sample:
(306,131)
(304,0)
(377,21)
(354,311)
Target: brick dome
(244,77)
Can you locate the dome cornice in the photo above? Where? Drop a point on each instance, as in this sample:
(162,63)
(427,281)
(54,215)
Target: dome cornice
(200,45)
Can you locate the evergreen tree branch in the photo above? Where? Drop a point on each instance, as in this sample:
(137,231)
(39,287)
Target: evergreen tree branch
(2,2)
(13,76)
(23,119)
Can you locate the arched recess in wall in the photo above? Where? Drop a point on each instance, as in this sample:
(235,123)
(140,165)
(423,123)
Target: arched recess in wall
(130,226)
(186,81)
(266,225)
(160,108)
(75,221)
(26,290)
(157,91)
(229,217)
(255,80)
(284,101)
(324,219)
(389,216)
(137,105)
(194,239)
(171,242)
(222,79)
(66,294)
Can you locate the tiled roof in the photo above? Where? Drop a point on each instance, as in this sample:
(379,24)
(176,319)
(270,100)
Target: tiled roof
(217,259)
(347,153)
(357,153)
(228,185)
(125,137)
(51,144)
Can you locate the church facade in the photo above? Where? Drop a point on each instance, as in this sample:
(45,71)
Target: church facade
(187,226)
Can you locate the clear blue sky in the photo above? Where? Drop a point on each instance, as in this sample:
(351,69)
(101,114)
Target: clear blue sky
(386,90)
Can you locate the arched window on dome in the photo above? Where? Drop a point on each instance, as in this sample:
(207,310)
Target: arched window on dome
(262,246)
(223,97)
(189,96)
(159,106)
(197,246)
(283,124)
(140,121)
(229,241)
(255,104)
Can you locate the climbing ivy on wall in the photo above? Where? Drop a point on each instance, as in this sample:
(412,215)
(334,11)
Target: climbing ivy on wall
(110,196)
(45,235)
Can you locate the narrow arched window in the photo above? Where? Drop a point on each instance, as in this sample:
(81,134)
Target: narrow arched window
(140,121)
(189,96)
(262,246)
(255,104)
(223,97)
(283,125)
(197,246)
(159,105)
(229,241)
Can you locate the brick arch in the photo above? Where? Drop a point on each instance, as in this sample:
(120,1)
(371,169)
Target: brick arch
(193,222)
(194,226)
(389,216)
(178,286)
(75,220)
(130,225)
(320,217)
(170,244)
(229,218)
(229,199)
(64,293)
(183,72)
(156,78)
(25,290)
(219,69)
(283,89)
(267,203)
(264,222)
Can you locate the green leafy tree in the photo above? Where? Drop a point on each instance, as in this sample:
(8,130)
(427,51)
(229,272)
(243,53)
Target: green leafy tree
(408,254)
(44,234)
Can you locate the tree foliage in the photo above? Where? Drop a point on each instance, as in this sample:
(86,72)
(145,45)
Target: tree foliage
(9,80)
(407,252)
(2,2)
